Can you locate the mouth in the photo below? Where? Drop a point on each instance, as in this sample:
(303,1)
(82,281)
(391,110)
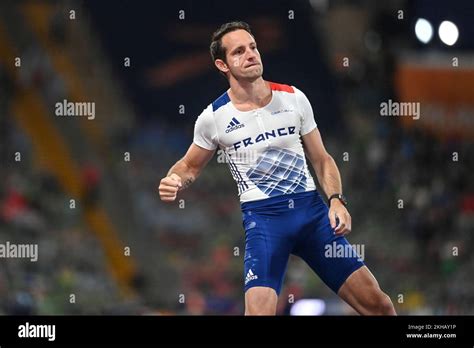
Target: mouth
(251,65)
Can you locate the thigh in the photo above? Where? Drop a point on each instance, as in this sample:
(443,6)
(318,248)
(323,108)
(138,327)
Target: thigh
(331,257)
(362,291)
(267,250)
(359,283)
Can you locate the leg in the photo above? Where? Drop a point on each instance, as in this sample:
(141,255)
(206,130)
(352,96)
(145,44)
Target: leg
(362,292)
(345,274)
(266,255)
(260,300)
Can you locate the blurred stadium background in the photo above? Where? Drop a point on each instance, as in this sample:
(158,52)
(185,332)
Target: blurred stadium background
(146,66)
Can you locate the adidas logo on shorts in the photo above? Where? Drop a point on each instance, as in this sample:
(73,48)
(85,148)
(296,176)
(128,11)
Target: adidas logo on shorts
(250,276)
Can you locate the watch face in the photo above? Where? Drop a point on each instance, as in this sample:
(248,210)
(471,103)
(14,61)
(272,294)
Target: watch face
(343,198)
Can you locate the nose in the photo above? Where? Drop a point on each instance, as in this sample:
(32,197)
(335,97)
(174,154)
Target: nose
(251,54)
(252,58)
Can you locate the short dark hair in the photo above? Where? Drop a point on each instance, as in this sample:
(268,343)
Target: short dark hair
(217,50)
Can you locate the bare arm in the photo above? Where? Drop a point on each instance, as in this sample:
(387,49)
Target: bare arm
(328,177)
(184,172)
(323,163)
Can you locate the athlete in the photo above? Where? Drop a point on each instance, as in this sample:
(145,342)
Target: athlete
(266,130)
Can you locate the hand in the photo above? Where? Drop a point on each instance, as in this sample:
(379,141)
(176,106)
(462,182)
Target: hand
(169,187)
(339,211)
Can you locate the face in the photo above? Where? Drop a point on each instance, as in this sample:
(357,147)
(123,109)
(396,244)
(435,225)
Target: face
(243,59)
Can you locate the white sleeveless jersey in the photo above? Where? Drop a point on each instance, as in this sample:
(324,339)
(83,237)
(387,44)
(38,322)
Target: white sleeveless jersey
(262,147)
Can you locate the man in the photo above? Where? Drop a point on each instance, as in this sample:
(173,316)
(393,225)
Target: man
(265,130)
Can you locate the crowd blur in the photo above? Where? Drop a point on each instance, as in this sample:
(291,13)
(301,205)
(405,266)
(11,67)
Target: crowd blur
(411,199)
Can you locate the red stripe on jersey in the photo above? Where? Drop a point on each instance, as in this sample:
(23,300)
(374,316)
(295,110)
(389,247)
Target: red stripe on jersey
(280,87)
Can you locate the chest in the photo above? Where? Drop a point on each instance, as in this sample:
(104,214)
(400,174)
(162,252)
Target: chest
(276,126)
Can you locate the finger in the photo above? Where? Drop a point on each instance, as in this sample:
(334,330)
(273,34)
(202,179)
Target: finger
(176,179)
(168,188)
(349,224)
(172,179)
(348,228)
(340,228)
(168,199)
(345,230)
(169,182)
(177,183)
(168,194)
(332,218)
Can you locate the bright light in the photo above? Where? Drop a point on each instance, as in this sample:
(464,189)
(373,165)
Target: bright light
(308,307)
(423,30)
(448,33)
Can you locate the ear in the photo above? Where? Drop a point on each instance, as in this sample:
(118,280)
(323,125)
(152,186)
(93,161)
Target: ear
(221,65)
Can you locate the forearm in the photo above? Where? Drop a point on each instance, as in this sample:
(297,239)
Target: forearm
(187,174)
(328,176)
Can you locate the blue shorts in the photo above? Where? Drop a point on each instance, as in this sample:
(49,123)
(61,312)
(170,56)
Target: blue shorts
(295,224)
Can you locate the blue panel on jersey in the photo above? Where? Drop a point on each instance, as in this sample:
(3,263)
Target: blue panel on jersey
(279,171)
(221,101)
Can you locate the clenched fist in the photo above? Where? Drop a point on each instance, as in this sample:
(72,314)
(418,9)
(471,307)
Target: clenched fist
(169,187)
(338,211)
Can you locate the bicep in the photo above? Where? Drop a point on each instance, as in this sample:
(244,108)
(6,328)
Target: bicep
(197,157)
(314,146)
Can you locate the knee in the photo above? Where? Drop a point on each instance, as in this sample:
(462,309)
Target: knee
(260,302)
(260,306)
(381,304)
(255,309)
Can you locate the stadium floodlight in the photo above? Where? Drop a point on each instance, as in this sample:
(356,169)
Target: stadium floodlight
(448,33)
(423,30)
(308,307)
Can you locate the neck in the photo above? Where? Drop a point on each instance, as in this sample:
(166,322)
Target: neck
(242,92)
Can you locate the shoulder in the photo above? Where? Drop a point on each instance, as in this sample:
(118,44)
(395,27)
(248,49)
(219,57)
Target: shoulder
(289,90)
(281,87)
(205,118)
(208,113)
(222,100)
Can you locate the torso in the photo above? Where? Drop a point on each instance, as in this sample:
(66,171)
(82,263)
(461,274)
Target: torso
(263,146)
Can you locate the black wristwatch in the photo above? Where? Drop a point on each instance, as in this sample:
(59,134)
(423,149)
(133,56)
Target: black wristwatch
(339,196)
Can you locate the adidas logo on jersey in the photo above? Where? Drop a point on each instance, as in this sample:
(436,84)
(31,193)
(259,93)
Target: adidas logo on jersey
(233,125)
(250,276)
